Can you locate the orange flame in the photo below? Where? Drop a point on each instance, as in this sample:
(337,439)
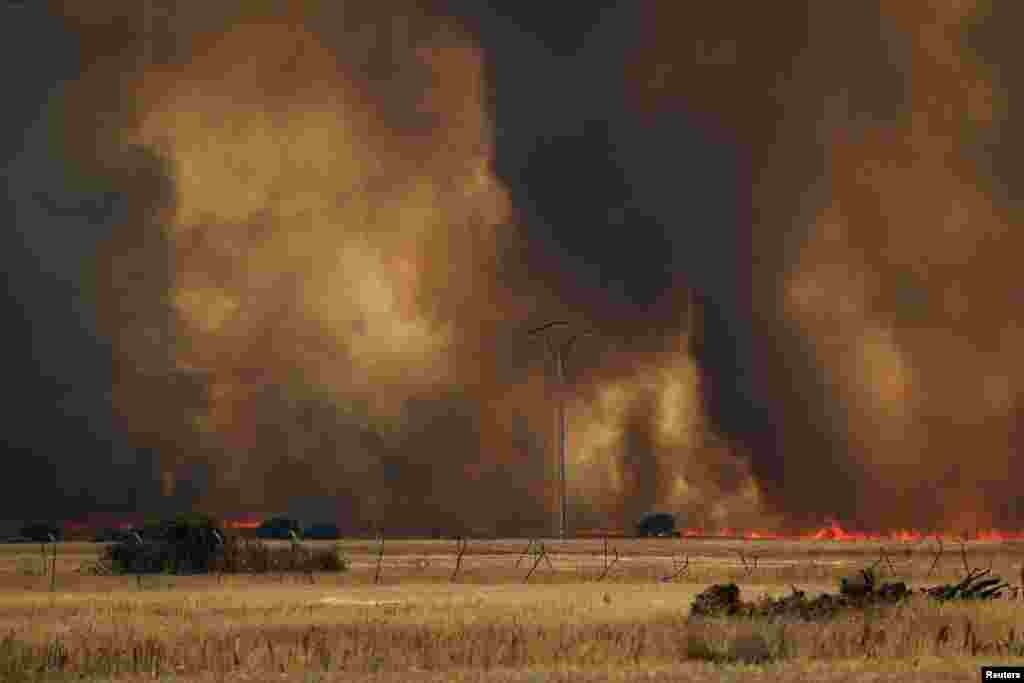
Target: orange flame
(242,523)
(832,531)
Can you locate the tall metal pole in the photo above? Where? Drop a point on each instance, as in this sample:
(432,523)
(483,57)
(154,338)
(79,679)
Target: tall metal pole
(560,355)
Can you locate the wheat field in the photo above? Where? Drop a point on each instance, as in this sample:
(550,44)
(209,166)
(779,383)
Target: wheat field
(579,611)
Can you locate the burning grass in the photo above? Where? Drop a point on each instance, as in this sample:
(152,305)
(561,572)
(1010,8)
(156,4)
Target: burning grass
(488,623)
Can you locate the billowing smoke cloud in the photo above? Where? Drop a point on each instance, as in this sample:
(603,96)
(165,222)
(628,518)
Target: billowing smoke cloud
(340,218)
(320,292)
(642,443)
(312,254)
(882,308)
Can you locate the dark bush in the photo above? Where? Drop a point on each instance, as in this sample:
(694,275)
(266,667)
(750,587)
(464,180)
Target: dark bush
(192,544)
(40,532)
(187,544)
(279,528)
(322,532)
(656,524)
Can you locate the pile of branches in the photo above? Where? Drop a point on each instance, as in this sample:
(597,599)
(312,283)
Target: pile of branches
(977,585)
(723,600)
(859,592)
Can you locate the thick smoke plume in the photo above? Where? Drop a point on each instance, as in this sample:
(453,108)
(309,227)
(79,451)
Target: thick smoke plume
(318,299)
(885,371)
(343,216)
(312,249)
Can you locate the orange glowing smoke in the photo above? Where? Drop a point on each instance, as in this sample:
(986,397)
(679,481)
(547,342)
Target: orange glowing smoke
(902,268)
(639,439)
(301,216)
(892,265)
(335,238)
(325,235)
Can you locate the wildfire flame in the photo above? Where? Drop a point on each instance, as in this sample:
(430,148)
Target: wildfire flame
(247,523)
(830,531)
(833,531)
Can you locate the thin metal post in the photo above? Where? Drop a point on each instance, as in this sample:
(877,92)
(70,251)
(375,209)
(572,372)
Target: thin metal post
(559,355)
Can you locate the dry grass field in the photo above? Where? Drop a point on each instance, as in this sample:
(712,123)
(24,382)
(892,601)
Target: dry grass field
(489,622)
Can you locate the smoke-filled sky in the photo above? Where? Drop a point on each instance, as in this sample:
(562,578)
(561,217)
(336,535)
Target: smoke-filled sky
(281,256)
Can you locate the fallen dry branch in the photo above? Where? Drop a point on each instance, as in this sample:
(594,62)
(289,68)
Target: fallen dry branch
(977,585)
(860,591)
